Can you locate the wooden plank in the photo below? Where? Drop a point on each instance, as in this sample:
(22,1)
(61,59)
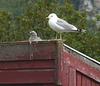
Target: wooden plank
(50,85)
(97,84)
(28,84)
(59,62)
(46,51)
(72,77)
(14,52)
(26,51)
(79,79)
(24,42)
(84,81)
(27,76)
(93,83)
(21,85)
(27,64)
(82,66)
(89,82)
(65,74)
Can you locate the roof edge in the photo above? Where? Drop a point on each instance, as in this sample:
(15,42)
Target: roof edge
(82,56)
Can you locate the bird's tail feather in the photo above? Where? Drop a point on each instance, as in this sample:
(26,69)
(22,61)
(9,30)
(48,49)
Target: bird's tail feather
(82,30)
(79,30)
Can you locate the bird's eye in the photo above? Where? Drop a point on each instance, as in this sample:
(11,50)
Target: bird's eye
(52,16)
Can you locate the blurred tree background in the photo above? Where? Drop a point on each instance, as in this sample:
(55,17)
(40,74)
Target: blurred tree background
(19,17)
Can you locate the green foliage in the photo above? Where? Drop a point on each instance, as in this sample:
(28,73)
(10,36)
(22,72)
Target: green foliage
(98,17)
(14,6)
(33,18)
(5,26)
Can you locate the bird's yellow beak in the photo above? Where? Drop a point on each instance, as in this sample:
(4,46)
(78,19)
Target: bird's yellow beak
(46,18)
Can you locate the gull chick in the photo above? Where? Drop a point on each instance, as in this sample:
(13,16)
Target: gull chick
(60,25)
(34,37)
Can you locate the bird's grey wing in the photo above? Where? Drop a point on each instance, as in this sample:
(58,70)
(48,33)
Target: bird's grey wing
(64,24)
(39,39)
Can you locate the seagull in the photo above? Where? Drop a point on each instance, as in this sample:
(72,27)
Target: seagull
(60,25)
(34,37)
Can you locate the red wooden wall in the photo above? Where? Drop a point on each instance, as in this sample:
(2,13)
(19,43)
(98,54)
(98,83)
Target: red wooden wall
(43,64)
(28,85)
(27,72)
(74,72)
(83,80)
(22,64)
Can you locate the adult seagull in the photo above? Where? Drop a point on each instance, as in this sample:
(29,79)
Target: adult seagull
(60,25)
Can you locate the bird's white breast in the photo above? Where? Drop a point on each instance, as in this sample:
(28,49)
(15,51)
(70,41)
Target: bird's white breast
(54,26)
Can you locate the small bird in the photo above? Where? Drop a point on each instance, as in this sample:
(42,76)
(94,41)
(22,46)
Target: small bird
(34,37)
(60,25)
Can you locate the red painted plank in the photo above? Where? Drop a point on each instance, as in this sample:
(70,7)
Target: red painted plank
(93,83)
(84,81)
(97,84)
(28,85)
(35,42)
(65,74)
(27,64)
(14,52)
(27,76)
(79,79)
(50,85)
(72,76)
(59,62)
(12,43)
(88,82)
(27,52)
(21,85)
(43,51)
(82,66)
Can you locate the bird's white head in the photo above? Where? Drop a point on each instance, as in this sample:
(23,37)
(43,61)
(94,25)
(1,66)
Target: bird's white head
(52,15)
(32,33)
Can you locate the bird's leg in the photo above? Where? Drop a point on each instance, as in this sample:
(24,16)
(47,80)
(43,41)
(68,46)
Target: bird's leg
(56,35)
(60,36)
